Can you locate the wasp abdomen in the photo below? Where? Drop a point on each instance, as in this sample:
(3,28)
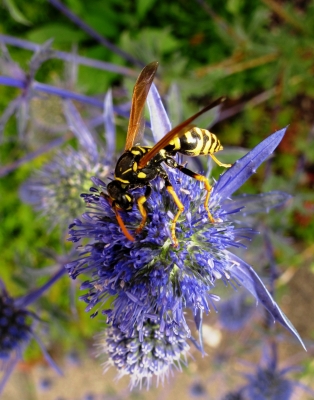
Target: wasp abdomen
(195,142)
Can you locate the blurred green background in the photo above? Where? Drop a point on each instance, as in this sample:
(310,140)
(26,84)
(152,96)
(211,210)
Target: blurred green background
(259,54)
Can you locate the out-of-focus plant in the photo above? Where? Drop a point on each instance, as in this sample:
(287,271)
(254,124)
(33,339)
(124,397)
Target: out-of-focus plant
(259,54)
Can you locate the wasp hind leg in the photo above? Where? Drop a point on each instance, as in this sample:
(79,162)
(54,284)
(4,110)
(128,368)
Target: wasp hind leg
(219,162)
(173,164)
(140,205)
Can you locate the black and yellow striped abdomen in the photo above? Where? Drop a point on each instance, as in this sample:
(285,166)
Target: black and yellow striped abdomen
(195,142)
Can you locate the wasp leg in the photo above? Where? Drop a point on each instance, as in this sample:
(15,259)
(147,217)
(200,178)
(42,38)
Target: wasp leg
(219,162)
(118,216)
(121,224)
(180,206)
(140,204)
(173,164)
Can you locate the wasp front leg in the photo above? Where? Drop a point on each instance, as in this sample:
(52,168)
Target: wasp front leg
(140,204)
(173,164)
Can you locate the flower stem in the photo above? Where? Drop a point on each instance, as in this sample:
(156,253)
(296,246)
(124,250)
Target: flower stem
(62,55)
(88,29)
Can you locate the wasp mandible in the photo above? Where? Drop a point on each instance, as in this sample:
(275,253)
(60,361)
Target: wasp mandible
(139,165)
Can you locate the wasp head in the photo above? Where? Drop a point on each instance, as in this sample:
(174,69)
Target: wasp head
(120,197)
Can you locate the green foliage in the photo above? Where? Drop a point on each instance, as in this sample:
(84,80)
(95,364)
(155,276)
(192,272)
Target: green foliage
(254,54)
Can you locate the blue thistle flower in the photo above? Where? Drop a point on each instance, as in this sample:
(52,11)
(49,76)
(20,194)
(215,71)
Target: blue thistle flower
(17,328)
(269,384)
(15,325)
(149,279)
(234,396)
(144,355)
(54,190)
(235,312)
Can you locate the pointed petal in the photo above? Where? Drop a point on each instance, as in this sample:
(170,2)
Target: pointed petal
(159,119)
(110,128)
(198,319)
(8,112)
(248,278)
(242,169)
(44,53)
(79,128)
(256,203)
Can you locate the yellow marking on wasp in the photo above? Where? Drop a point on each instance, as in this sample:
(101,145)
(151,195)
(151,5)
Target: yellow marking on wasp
(176,143)
(135,166)
(162,152)
(128,197)
(214,144)
(126,171)
(141,175)
(189,137)
(199,141)
(135,152)
(121,180)
(142,149)
(209,141)
(219,146)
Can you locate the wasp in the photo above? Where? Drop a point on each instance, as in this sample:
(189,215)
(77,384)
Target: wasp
(139,165)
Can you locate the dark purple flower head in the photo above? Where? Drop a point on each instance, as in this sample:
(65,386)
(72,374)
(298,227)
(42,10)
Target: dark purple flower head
(17,327)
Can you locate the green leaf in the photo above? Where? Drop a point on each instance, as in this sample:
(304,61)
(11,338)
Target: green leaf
(143,6)
(59,32)
(15,12)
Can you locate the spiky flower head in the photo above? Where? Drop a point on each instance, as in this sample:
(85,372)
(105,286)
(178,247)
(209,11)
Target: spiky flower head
(55,189)
(144,355)
(269,384)
(149,278)
(15,325)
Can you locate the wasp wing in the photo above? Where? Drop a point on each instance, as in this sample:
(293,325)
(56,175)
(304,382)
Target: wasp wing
(178,131)
(139,97)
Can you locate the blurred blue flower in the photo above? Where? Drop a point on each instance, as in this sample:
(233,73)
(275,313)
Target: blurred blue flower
(144,355)
(17,327)
(268,382)
(235,312)
(55,189)
(234,396)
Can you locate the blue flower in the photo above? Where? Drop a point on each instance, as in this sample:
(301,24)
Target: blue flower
(144,355)
(55,189)
(235,312)
(149,278)
(17,327)
(269,384)
(135,282)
